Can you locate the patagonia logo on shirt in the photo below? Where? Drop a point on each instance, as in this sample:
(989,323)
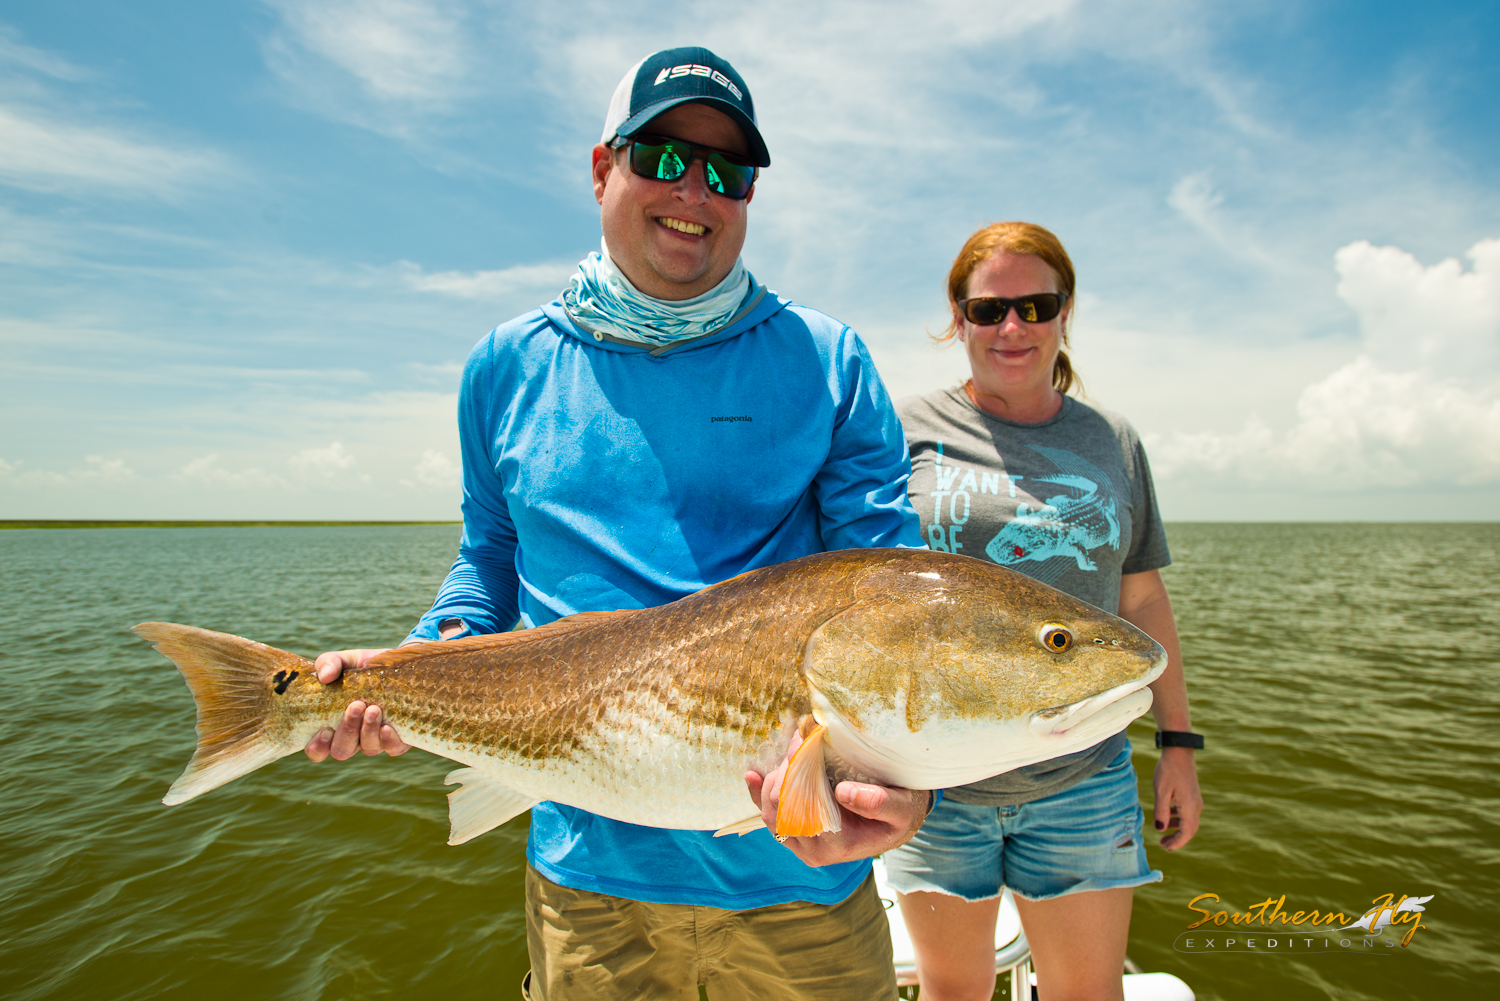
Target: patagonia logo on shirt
(715,420)
(693,69)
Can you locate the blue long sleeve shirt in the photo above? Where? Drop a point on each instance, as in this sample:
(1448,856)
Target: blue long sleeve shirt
(601,475)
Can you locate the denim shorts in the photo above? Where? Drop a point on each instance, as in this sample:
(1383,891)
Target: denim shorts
(1086,837)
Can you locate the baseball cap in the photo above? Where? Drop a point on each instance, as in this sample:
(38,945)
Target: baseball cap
(678,76)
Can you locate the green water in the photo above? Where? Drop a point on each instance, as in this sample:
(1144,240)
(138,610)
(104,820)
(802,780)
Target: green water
(1344,674)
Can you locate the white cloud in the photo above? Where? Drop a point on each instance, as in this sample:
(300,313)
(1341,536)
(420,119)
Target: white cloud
(447,373)
(435,470)
(333,464)
(43,154)
(1442,317)
(1195,200)
(1418,406)
(945,135)
(48,144)
(95,470)
(910,363)
(489,284)
(395,67)
(13,52)
(405,51)
(15,475)
(1201,206)
(208,470)
(100,468)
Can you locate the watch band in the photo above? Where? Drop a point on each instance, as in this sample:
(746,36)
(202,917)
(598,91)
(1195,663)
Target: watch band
(1179,738)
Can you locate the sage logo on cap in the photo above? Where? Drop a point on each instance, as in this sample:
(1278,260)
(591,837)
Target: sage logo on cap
(696,70)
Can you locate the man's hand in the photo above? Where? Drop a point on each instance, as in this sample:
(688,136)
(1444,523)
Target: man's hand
(875,818)
(1178,802)
(363,727)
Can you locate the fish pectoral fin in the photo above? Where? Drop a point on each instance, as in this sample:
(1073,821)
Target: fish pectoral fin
(807,807)
(742,827)
(481,804)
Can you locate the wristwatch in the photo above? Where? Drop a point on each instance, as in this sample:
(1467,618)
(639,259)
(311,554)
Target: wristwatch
(1179,738)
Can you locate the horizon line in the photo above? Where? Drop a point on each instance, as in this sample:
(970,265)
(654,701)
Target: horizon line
(14,523)
(75,523)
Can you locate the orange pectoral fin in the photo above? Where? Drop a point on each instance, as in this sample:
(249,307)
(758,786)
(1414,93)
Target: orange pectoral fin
(807,807)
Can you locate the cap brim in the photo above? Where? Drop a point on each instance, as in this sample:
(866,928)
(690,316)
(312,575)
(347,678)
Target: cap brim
(759,155)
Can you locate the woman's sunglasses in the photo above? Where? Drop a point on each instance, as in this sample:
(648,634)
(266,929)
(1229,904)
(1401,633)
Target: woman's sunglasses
(989,310)
(663,159)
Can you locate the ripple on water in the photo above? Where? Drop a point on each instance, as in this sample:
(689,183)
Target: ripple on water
(1344,674)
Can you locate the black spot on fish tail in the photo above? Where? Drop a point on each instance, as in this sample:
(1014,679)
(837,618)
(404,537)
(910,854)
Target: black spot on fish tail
(283,679)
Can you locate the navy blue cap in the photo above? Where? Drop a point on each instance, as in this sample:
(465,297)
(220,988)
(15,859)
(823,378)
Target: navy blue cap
(679,76)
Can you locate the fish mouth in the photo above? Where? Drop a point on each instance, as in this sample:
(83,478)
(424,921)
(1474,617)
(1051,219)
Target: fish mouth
(1132,698)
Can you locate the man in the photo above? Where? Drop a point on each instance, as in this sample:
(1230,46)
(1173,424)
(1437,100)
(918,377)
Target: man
(669,423)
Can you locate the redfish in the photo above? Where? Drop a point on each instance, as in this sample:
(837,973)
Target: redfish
(902,667)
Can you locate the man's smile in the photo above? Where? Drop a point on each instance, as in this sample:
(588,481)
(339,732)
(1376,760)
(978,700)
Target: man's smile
(682,225)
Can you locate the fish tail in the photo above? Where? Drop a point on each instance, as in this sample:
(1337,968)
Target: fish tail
(233,682)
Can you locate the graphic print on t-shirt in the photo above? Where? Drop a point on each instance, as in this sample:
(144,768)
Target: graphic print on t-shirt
(1069,524)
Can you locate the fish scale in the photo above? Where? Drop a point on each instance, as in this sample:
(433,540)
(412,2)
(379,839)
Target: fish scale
(901,666)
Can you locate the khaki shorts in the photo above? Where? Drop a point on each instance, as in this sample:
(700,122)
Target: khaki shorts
(587,946)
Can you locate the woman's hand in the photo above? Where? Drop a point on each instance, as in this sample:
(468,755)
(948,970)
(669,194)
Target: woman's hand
(1178,804)
(363,727)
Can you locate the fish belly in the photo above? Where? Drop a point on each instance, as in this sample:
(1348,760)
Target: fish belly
(680,777)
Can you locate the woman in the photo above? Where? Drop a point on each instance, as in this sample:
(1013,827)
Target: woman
(1009,468)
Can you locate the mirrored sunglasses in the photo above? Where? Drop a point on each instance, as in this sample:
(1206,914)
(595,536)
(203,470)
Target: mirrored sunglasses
(663,159)
(988,310)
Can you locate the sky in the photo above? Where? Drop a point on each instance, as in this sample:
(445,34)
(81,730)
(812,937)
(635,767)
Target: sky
(246,246)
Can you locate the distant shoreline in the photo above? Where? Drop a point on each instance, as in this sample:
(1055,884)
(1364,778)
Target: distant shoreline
(118,523)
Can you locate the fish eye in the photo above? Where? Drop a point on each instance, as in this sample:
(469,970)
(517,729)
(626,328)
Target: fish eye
(1055,637)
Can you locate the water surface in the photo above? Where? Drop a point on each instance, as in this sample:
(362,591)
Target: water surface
(1345,676)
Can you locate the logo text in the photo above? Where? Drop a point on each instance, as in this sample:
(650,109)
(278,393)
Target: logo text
(693,69)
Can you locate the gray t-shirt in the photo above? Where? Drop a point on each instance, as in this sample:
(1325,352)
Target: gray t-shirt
(1068,501)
